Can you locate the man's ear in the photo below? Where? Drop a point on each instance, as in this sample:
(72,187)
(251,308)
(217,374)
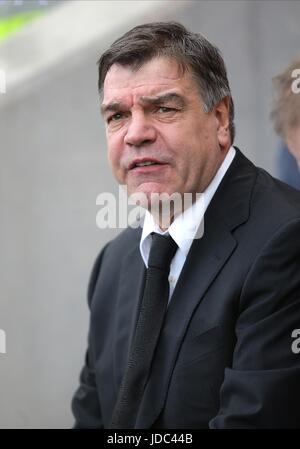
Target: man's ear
(222,116)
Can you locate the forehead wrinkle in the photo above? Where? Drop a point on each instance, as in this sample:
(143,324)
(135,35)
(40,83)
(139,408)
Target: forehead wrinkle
(160,97)
(163,97)
(127,94)
(132,76)
(157,72)
(128,86)
(130,93)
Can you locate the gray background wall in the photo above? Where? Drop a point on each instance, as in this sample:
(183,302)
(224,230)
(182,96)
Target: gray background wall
(53,166)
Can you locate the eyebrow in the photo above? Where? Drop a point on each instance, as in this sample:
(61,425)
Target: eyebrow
(164,98)
(115,106)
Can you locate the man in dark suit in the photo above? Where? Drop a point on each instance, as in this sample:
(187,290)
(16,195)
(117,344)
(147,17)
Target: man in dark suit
(224,357)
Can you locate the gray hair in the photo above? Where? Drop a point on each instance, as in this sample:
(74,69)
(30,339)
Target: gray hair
(191,50)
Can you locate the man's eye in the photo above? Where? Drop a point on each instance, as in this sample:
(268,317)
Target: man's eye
(165,109)
(115,117)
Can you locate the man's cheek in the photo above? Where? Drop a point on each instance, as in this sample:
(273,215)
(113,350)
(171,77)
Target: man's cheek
(114,166)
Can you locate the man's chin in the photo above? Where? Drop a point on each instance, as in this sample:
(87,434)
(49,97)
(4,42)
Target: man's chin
(150,193)
(149,188)
(158,199)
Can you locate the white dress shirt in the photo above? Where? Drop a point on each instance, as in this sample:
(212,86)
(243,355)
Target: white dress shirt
(184,227)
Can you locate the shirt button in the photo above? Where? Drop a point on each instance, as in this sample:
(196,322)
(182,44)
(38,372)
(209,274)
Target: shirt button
(172,279)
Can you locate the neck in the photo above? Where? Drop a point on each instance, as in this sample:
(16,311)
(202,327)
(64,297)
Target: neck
(165,212)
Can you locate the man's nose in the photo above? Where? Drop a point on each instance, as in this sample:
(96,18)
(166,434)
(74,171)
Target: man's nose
(140,131)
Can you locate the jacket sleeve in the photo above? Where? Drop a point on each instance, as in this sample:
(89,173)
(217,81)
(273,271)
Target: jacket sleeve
(261,389)
(85,403)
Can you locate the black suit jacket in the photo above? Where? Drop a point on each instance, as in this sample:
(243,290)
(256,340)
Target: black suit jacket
(224,358)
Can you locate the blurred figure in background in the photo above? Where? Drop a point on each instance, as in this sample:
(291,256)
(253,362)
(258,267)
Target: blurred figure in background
(286,118)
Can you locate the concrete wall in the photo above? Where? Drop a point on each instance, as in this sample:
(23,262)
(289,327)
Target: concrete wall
(53,165)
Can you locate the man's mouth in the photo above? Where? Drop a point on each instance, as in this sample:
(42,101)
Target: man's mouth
(138,163)
(143,164)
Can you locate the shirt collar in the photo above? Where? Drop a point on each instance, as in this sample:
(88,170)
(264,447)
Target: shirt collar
(184,227)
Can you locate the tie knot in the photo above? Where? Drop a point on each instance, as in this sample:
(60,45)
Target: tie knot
(163,249)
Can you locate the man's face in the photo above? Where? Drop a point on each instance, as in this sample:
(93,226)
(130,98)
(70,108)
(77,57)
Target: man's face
(155,116)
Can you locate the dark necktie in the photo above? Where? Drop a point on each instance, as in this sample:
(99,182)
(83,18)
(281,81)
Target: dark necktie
(149,324)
